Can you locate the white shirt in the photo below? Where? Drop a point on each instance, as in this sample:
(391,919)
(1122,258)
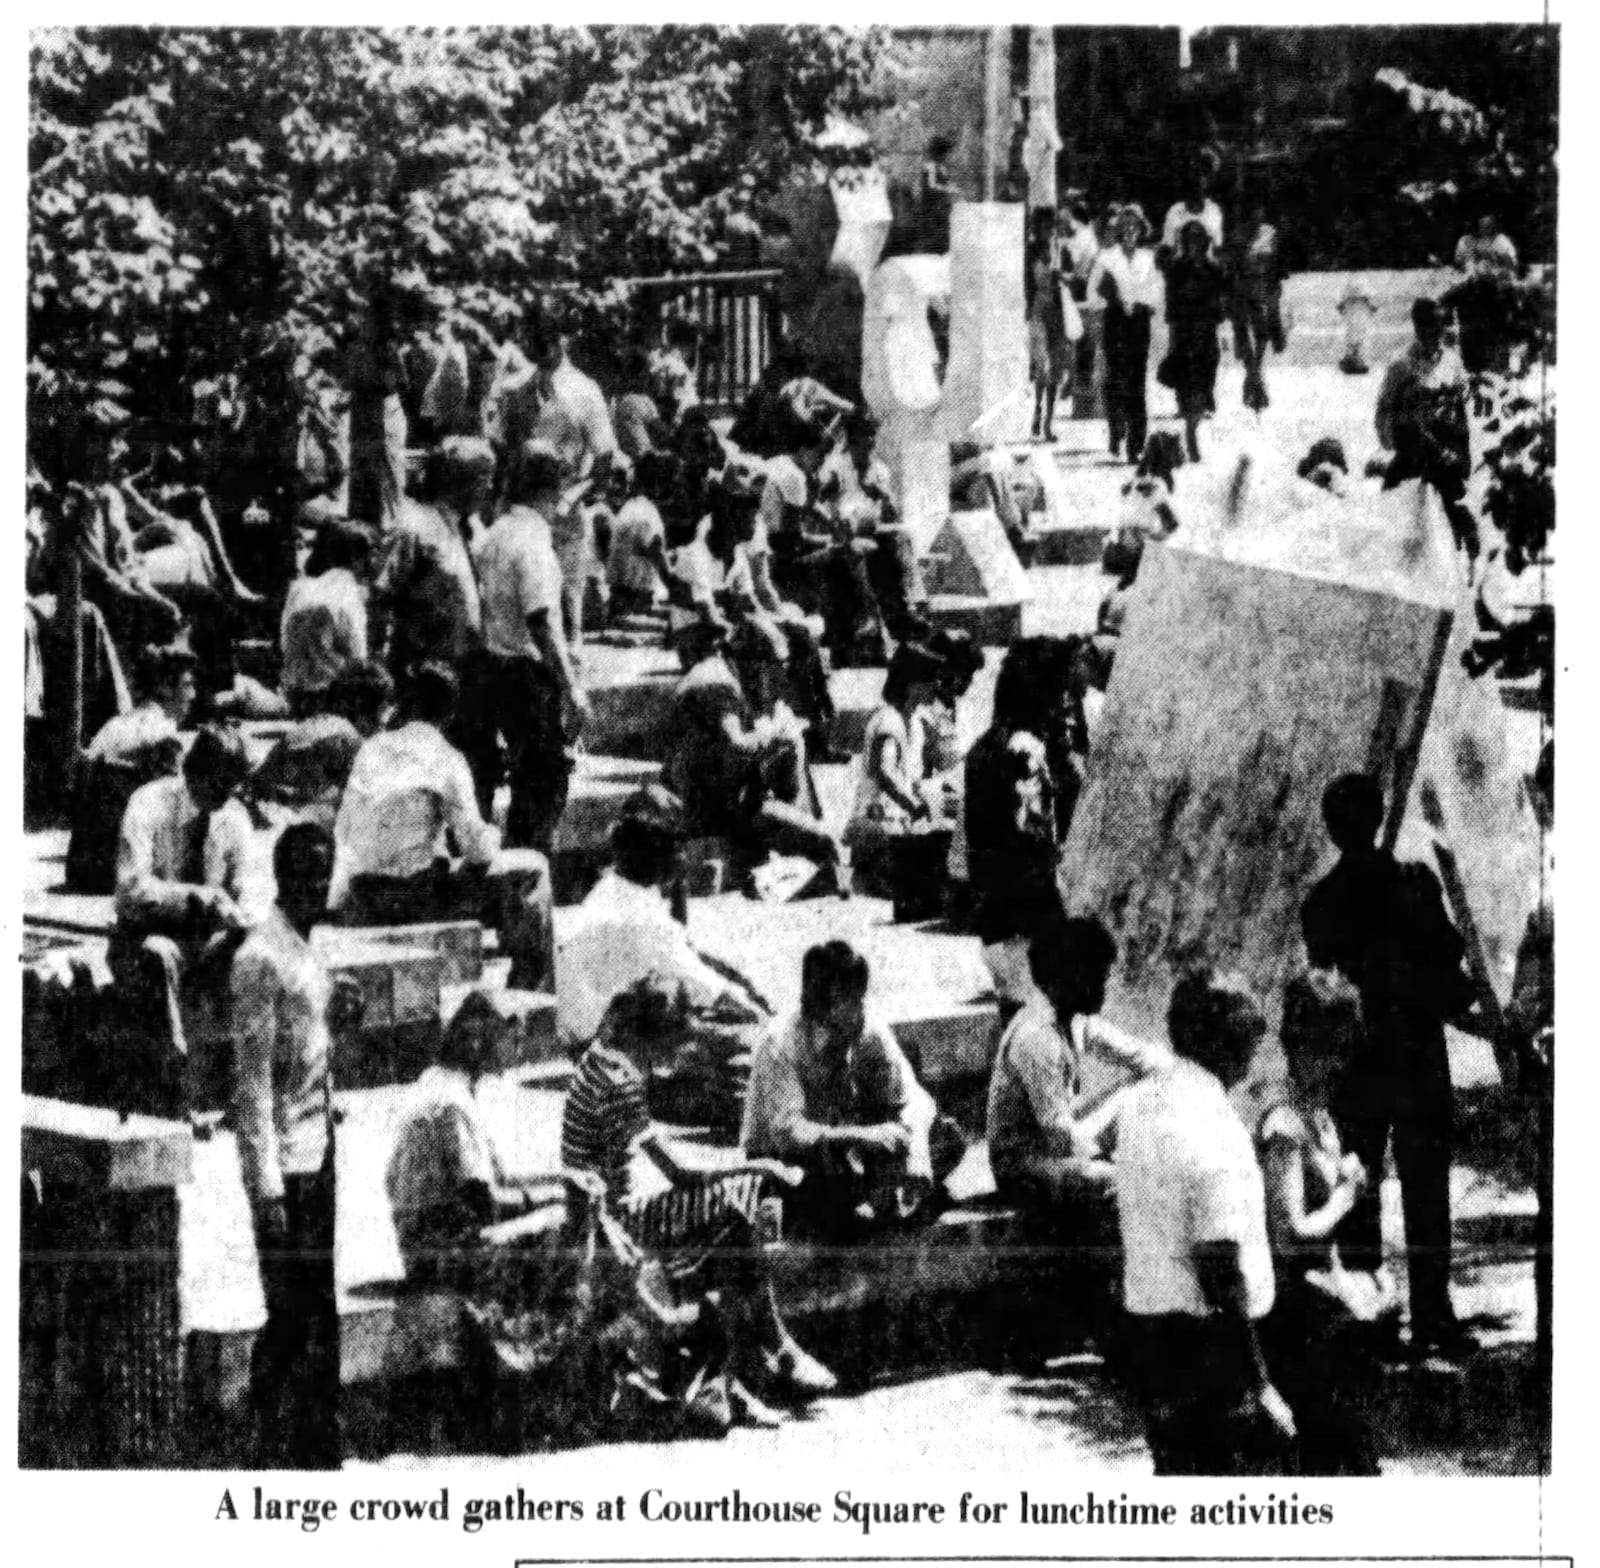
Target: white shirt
(1475,254)
(152,856)
(324,630)
(443,1143)
(1186,1174)
(279,1015)
(872,802)
(635,529)
(407,787)
(1180,214)
(575,420)
(617,936)
(124,737)
(1137,277)
(786,487)
(518,576)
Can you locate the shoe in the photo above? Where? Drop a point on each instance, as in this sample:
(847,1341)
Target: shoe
(1444,1341)
(750,1411)
(796,1374)
(706,1408)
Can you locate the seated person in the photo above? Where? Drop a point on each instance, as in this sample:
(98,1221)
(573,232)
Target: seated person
(985,481)
(637,571)
(127,753)
(736,755)
(698,1219)
(831,1092)
(307,769)
(412,847)
(324,626)
(1009,821)
(889,802)
(1050,1147)
(190,885)
(526,1256)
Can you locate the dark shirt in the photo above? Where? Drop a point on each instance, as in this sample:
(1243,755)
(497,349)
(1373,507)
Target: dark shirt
(1011,868)
(1382,924)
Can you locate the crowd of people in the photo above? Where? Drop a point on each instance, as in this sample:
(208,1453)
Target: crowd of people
(1198,277)
(430,678)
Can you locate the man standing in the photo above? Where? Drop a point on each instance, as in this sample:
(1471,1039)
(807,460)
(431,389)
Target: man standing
(426,591)
(283,1006)
(1422,418)
(831,1092)
(1197,1267)
(536,698)
(1382,924)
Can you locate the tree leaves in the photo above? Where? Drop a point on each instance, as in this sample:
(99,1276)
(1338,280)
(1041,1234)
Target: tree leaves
(265,185)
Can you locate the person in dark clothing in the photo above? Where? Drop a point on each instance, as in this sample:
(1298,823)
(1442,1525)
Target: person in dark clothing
(1196,291)
(1382,924)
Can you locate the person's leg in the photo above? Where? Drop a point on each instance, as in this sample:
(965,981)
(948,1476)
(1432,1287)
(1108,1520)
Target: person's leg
(1137,364)
(1422,1149)
(539,766)
(1115,380)
(312,1335)
(473,729)
(518,902)
(808,678)
(1363,1112)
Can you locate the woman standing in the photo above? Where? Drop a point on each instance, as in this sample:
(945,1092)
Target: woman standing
(1048,347)
(1257,279)
(1125,277)
(1196,290)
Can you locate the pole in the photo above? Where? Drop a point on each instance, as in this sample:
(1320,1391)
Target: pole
(995,56)
(69,606)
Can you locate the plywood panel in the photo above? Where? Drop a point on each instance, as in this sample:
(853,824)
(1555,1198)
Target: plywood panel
(1238,694)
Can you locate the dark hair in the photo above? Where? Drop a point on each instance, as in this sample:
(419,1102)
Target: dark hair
(339,543)
(218,757)
(1162,456)
(1065,947)
(1328,451)
(1426,316)
(962,657)
(298,846)
(456,465)
(829,971)
(1192,229)
(365,688)
(161,668)
(654,474)
(940,146)
(1321,1017)
(535,472)
(644,850)
(431,692)
(909,665)
(1352,809)
(457,1048)
(1214,1021)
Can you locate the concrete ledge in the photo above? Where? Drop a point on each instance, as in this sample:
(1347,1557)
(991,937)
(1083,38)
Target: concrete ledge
(988,624)
(1068,544)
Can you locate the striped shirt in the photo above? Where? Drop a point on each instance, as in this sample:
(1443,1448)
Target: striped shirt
(605,1113)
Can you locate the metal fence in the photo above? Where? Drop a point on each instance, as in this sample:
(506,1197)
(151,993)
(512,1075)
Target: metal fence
(737,314)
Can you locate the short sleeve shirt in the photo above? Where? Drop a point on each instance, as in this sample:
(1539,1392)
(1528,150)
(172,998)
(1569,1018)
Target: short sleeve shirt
(518,576)
(1187,1175)
(786,488)
(636,529)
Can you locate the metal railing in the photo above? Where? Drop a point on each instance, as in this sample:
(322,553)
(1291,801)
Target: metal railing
(737,314)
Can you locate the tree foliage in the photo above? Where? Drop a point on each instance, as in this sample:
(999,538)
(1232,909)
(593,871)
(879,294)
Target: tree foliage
(202,202)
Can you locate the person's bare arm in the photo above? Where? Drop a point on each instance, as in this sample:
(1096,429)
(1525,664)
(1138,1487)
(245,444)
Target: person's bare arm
(1284,1172)
(553,650)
